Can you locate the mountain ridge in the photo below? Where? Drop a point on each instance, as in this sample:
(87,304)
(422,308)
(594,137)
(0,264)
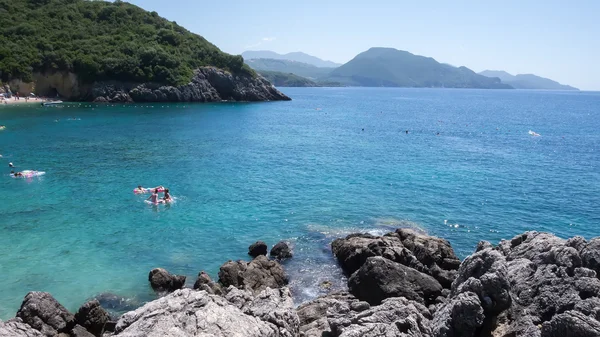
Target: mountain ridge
(293,56)
(527,81)
(389,67)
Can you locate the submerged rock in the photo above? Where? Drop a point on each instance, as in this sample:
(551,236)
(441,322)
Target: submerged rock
(255,276)
(42,312)
(16,328)
(92,317)
(257,248)
(281,251)
(163,281)
(380,278)
(196,313)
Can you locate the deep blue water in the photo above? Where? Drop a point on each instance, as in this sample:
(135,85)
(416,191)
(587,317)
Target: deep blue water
(303,171)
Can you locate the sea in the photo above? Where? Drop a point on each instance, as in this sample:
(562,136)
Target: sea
(459,164)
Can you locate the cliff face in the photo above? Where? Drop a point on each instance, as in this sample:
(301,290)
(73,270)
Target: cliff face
(209,84)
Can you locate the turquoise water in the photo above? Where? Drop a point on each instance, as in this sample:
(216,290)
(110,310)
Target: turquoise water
(303,171)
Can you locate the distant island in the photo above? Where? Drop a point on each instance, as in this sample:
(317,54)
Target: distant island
(526,81)
(302,69)
(295,56)
(117,52)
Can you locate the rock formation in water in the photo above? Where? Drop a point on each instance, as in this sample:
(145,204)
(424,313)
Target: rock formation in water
(403,284)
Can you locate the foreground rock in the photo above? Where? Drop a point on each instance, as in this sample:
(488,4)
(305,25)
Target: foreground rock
(380,278)
(16,328)
(255,276)
(257,248)
(163,281)
(92,317)
(42,312)
(196,313)
(430,255)
(281,251)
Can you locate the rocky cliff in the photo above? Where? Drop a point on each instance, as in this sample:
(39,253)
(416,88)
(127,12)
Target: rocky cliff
(403,284)
(209,84)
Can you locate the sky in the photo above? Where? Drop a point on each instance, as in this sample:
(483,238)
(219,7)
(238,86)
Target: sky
(555,39)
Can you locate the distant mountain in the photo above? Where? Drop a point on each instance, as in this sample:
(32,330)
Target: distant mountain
(286,66)
(388,67)
(296,56)
(526,81)
(280,79)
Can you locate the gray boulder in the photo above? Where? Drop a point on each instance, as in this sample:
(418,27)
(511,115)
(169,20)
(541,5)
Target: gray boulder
(257,248)
(590,255)
(485,273)
(79,331)
(462,316)
(396,317)
(255,276)
(571,324)
(42,312)
(315,315)
(380,278)
(16,328)
(163,281)
(204,282)
(281,251)
(92,317)
(430,255)
(270,305)
(196,313)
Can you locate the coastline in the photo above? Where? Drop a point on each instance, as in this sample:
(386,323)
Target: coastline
(403,283)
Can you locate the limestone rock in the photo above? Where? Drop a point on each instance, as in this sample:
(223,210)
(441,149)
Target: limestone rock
(462,316)
(380,278)
(92,317)
(255,276)
(257,248)
(571,324)
(79,331)
(394,317)
(42,312)
(196,313)
(281,251)
(315,315)
(163,281)
(16,328)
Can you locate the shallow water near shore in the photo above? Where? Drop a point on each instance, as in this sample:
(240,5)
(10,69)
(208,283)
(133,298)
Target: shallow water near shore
(331,162)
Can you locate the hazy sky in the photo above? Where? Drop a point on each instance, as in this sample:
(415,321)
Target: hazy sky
(555,39)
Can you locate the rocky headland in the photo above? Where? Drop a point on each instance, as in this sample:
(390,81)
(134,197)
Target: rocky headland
(209,84)
(404,283)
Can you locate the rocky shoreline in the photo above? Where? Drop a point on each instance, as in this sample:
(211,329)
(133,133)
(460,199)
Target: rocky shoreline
(208,84)
(403,283)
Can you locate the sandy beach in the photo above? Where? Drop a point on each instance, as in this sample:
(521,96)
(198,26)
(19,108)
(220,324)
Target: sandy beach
(22,101)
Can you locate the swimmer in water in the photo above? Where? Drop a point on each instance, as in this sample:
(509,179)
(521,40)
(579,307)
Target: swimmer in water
(167,197)
(154,197)
(11,165)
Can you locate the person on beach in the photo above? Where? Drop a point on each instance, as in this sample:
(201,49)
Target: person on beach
(154,197)
(167,197)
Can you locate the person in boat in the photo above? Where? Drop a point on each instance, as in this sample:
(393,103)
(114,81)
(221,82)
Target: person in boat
(154,196)
(167,197)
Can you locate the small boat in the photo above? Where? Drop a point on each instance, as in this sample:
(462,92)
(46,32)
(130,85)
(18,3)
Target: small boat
(51,103)
(534,134)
